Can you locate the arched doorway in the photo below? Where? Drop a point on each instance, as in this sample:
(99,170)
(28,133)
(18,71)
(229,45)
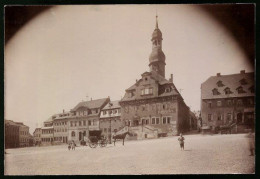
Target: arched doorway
(239,118)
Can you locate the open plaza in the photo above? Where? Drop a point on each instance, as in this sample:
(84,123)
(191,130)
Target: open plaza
(203,154)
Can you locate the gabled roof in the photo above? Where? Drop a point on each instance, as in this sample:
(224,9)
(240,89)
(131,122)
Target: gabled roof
(98,103)
(231,81)
(115,104)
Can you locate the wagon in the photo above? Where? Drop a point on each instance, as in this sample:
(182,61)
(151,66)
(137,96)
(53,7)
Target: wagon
(95,138)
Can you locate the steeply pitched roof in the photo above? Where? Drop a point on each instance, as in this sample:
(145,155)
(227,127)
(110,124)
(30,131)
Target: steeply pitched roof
(91,104)
(231,81)
(115,104)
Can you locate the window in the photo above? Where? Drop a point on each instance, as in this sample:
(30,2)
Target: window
(71,124)
(220,84)
(168,120)
(89,111)
(79,123)
(215,91)
(229,116)
(227,91)
(240,90)
(119,111)
(104,112)
(96,110)
(89,123)
(229,103)
(94,122)
(209,117)
(167,90)
(75,123)
(153,120)
(105,129)
(72,134)
(157,120)
(250,101)
(147,91)
(84,123)
(110,111)
(243,81)
(109,130)
(219,117)
(219,103)
(164,120)
(130,94)
(114,111)
(209,104)
(252,89)
(239,102)
(147,121)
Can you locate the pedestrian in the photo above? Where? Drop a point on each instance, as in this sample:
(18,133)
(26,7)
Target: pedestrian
(73,145)
(69,147)
(181,140)
(251,143)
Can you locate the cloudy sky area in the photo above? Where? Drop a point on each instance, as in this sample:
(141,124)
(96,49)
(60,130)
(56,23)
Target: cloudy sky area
(70,52)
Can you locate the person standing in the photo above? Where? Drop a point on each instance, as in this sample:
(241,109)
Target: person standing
(251,143)
(69,146)
(73,145)
(181,140)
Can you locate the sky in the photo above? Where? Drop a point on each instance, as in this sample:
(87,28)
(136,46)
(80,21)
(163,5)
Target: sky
(72,53)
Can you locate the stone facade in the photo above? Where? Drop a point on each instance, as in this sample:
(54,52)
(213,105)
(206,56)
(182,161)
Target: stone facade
(228,99)
(154,102)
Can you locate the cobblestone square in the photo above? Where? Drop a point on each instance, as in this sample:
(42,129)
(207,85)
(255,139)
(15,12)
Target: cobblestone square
(203,154)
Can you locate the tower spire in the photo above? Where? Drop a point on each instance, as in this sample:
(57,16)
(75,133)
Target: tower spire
(156,26)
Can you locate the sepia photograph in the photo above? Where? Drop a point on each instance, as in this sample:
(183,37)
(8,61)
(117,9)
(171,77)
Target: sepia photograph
(129,89)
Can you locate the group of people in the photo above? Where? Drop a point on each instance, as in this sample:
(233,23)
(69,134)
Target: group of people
(72,145)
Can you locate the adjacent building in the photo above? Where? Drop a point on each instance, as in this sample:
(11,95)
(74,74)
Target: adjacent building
(11,134)
(110,119)
(16,134)
(37,136)
(228,99)
(47,135)
(153,107)
(84,118)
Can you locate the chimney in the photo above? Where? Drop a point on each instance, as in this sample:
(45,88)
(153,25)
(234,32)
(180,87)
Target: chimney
(171,78)
(136,80)
(90,99)
(218,74)
(63,111)
(242,71)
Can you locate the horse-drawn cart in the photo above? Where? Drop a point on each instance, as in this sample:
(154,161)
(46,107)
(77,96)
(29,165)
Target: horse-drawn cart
(95,138)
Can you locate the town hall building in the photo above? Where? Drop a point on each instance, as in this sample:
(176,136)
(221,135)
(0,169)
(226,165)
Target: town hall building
(153,107)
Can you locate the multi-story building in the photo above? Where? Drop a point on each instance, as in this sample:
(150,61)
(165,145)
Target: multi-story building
(228,99)
(11,134)
(60,127)
(110,119)
(84,118)
(23,135)
(153,106)
(47,135)
(37,136)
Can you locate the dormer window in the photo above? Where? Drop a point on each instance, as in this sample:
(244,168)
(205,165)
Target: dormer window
(145,78)
(252,89)
(147,91)
(243,81)
(130,94)
(240,90)
(227,91)
(220,84)
(215,91)
(167,90)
